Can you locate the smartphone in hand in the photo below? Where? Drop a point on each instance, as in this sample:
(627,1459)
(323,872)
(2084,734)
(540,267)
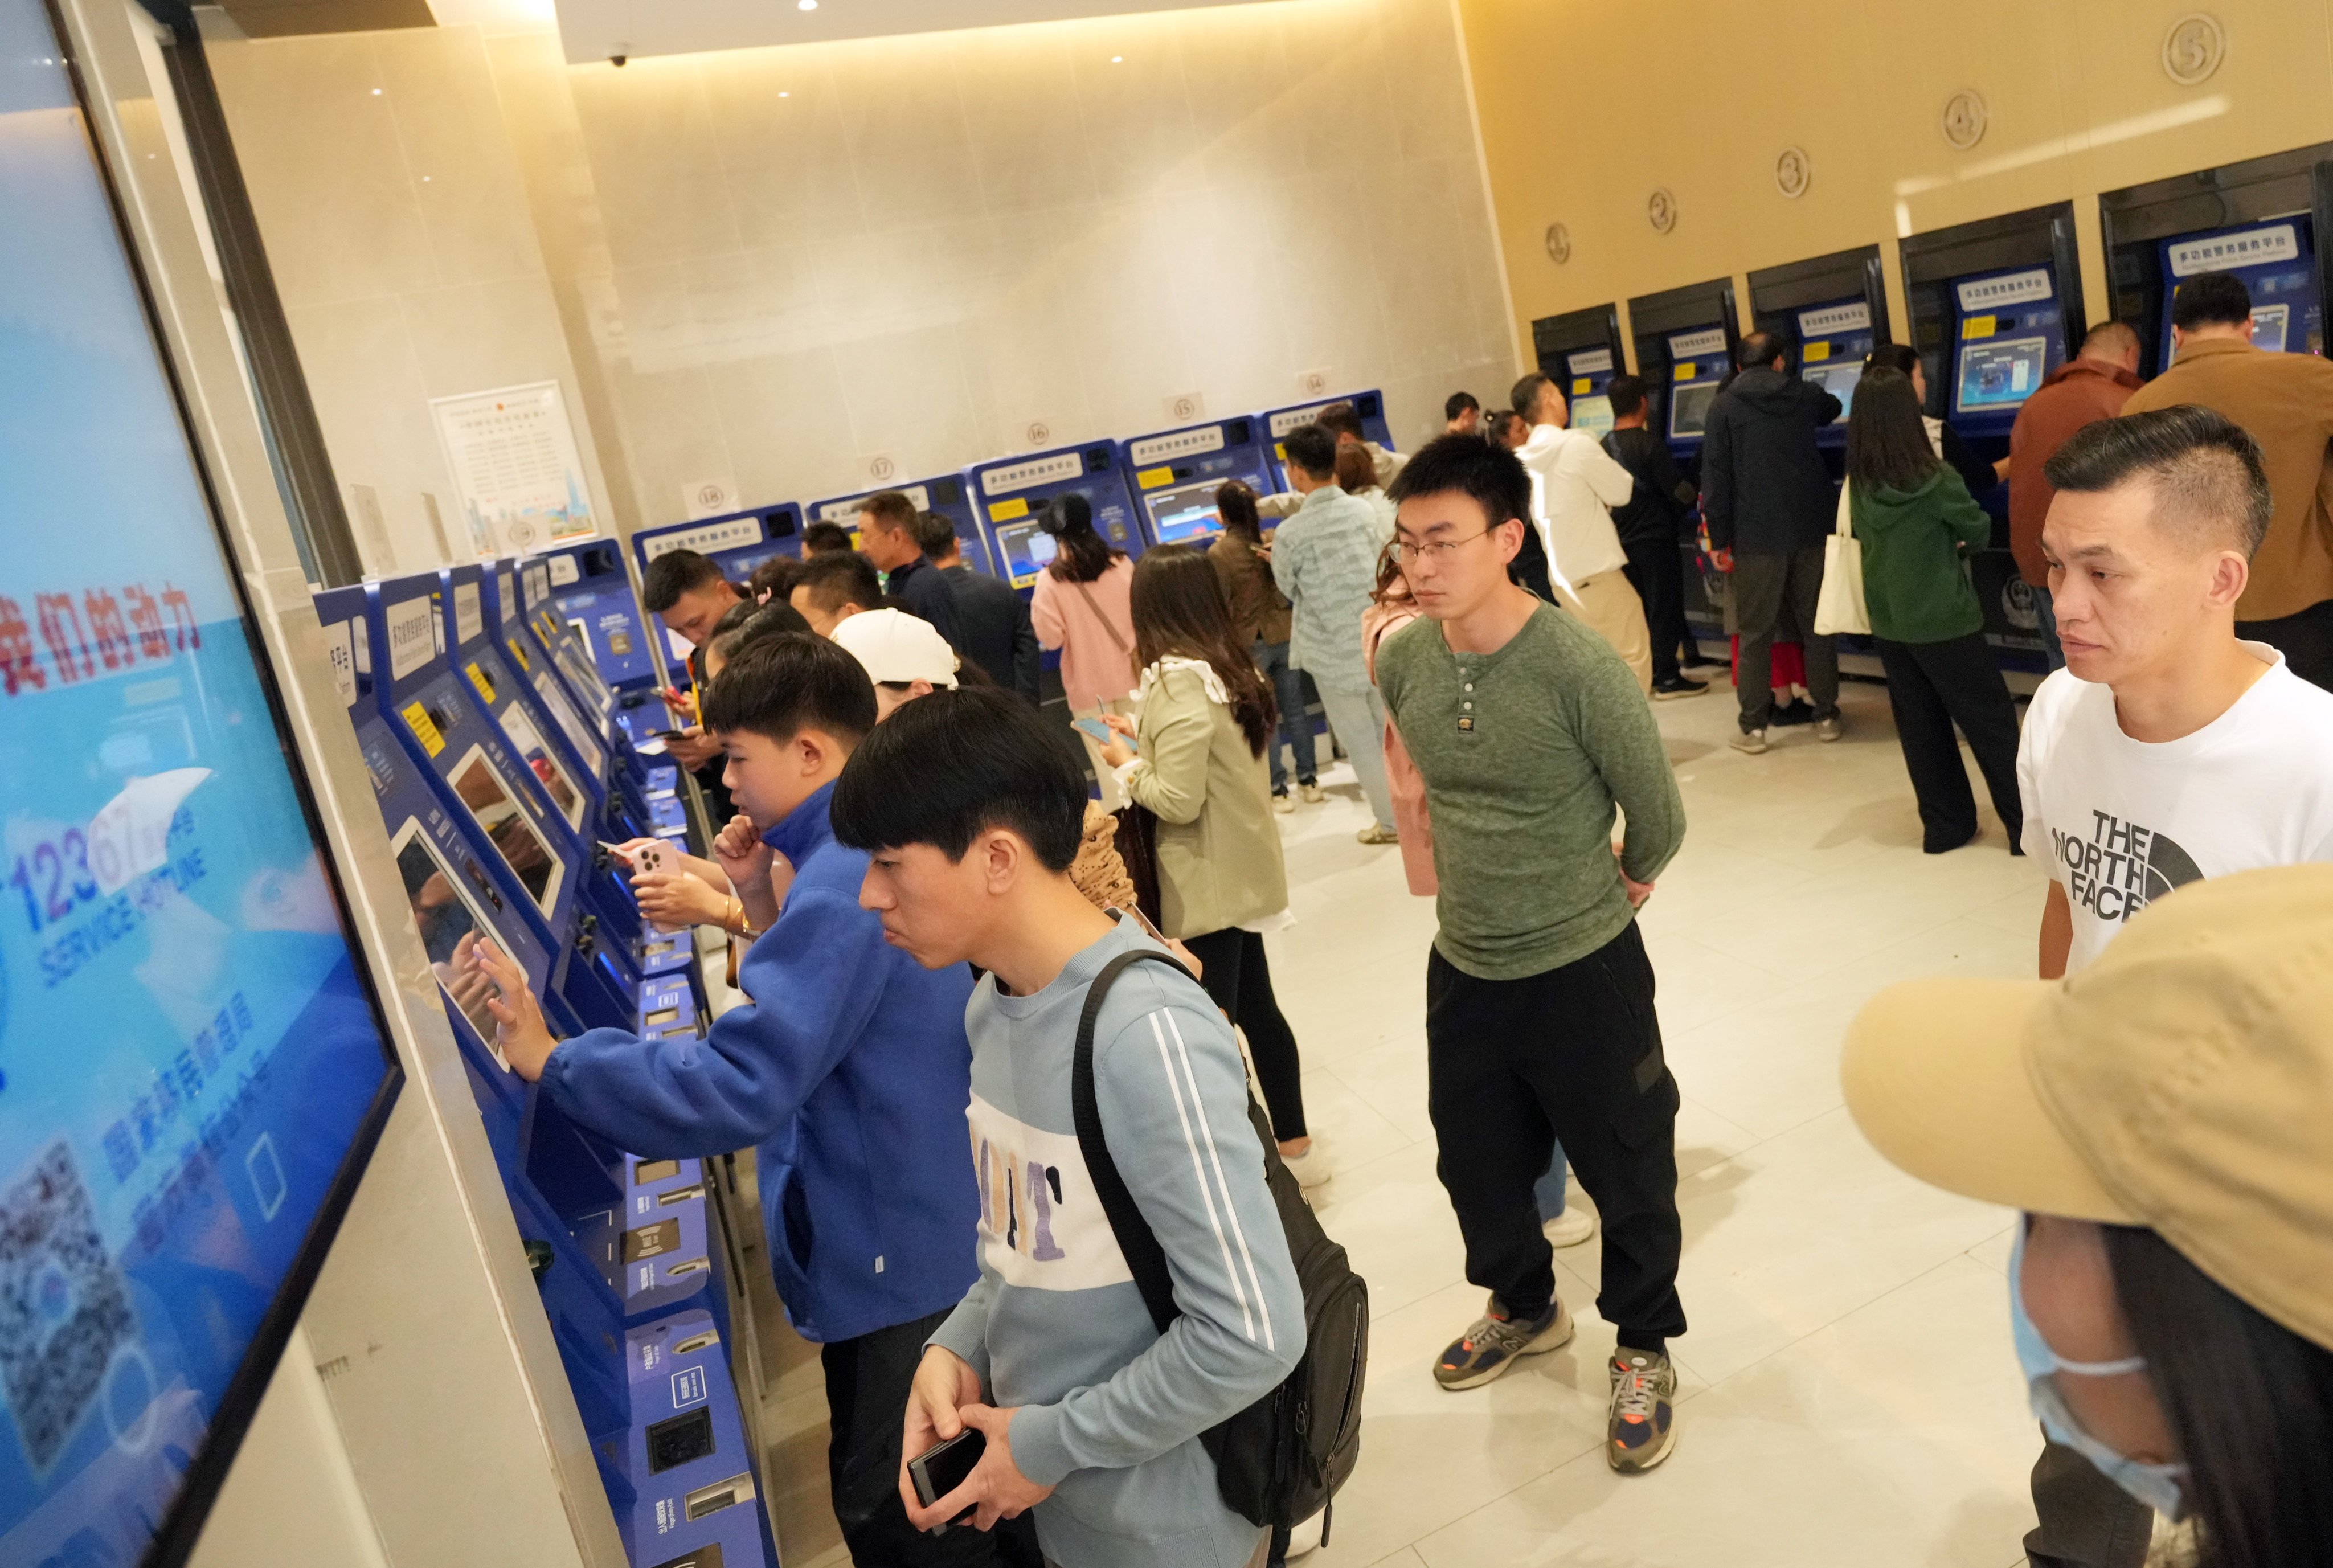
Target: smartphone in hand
(945,1465)
(1102,732)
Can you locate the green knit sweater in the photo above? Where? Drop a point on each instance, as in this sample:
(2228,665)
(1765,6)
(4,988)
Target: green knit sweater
(1915,544)
(1525,752)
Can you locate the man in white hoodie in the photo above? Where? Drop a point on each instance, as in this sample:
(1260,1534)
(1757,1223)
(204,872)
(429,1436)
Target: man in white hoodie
(1575,485)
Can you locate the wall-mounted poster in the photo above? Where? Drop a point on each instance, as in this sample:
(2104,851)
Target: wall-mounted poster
(513,459)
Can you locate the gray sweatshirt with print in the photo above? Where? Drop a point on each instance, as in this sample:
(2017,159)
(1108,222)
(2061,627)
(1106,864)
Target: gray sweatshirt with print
(1109,1411)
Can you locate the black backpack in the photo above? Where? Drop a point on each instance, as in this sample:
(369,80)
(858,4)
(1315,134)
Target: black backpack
(1278,1461)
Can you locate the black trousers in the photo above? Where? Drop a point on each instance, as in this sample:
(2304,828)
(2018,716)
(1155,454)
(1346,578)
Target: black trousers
(1932,687)
(867,1381)
(1768,586)
(2305,640)
(2087,1521)
(1657,572)
(1238,978)
(1574,1054)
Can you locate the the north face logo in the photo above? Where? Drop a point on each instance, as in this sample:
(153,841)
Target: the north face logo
(2121,868)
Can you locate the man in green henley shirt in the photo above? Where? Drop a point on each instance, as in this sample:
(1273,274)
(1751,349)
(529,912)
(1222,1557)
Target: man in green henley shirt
(1529,731)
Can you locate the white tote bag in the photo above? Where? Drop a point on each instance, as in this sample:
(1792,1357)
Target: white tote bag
(1841,607)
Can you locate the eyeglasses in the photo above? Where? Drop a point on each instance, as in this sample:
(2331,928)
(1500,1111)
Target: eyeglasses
(1438,550)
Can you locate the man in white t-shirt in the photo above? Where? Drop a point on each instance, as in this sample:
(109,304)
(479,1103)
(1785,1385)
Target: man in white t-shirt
(1575,485)
(2165,751)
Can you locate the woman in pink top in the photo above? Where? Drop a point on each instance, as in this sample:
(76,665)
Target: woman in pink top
(1081,605)
(1390,610)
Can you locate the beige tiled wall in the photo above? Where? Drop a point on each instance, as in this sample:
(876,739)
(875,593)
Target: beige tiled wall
(767,265)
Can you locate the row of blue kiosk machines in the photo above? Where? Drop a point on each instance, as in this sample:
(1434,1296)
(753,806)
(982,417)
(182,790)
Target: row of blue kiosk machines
(1996,305)
(507,714)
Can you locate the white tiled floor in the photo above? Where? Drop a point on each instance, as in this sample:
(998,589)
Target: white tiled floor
(1849,1396)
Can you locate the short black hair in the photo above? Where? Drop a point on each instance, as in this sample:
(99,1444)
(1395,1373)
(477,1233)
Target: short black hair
(1311,448)
(1758,350)
(837,579)
(825,538)
(2211,299)
(891,509)
(1524,394)
(1494,476)
(944,768)
(1339,419)
(1457,403)
(672,574)
(759,622)
(777,686)
(1627,393)
(935,534)
(2205,471)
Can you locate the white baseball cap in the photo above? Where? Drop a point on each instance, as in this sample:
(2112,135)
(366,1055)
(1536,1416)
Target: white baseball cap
(897,649)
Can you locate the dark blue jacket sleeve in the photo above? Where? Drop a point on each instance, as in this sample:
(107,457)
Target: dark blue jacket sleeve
(748,1076)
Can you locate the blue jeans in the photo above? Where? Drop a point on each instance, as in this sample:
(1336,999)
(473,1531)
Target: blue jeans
(1549,1189)
(2050,647)
(1295,718)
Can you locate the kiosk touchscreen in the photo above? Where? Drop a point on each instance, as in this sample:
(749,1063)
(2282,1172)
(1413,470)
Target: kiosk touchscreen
(2278,264)
(1698,360)
(196,1067)
(1829,310)
(1833,339)
(1277,422)
(1012,492)
(945,493)
(1589,370)
(1177,474)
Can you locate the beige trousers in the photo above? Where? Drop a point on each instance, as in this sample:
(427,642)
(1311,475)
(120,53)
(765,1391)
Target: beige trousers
(1610,605)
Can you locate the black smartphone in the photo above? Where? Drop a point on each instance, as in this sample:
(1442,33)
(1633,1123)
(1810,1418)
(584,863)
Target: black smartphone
(943,1467)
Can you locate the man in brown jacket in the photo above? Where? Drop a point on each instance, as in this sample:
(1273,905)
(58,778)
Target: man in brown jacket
(2092,386)
(2286,402)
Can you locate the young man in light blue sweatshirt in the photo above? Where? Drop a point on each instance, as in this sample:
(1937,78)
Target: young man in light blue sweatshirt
(850,1068)
(970,810)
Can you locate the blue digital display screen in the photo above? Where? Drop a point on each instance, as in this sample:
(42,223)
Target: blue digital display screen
(1185,515)
(189,1056)
(1027,550)
(2001,374)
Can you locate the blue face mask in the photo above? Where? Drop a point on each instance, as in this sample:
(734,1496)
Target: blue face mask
(2156,1486)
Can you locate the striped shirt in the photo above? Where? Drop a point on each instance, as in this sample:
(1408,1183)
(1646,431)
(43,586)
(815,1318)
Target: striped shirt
(1325,559)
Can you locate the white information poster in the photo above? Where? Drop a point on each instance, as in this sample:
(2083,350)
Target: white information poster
(513,459)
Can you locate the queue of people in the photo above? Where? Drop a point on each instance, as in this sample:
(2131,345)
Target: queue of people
(934,920)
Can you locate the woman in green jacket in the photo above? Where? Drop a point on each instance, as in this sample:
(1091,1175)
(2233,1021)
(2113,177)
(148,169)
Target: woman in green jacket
(1204,716)
(1918,524)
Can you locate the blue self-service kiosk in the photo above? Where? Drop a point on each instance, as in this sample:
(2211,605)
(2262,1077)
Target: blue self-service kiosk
(1587,372)
(1833,340)
(2277,263)
(945,493)
(1699,363)
(625,1253)
(1683,340)
(2007,332)
(1368,407)
(1012,494)
(2259,219)
(1175,475)
(649,779)
(1829,310)
(595,599)
(737,543)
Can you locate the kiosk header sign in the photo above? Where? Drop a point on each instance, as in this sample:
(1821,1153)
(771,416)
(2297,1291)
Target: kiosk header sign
(192,1068)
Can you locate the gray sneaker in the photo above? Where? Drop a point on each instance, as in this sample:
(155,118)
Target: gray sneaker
(1642,1428)
(1752,741)
(1497,1342)
(1829,727)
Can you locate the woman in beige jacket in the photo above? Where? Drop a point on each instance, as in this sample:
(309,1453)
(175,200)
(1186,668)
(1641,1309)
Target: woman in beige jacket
(1204,715)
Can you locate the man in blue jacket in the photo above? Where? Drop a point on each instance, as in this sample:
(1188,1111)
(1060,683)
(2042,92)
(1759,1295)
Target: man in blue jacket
(849,1069)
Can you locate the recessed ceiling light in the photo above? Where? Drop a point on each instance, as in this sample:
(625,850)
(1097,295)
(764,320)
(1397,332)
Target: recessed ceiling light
(1118,59)
(376,92)
(785,95)
(805,4)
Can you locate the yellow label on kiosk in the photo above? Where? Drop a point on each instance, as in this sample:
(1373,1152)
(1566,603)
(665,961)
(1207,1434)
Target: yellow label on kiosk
(1006,511)
(526,665)
(1684,372)
(1817,351)
(478,678)
(1978,327)
(423,728)
(1581,387)
(1151,478)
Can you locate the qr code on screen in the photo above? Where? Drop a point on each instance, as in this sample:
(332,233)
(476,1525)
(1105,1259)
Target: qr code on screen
(63,1310)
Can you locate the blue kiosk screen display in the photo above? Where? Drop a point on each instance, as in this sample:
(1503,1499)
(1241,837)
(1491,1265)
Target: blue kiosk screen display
(191,1065)
(1833,339)
(2001,374)
(2278,264)
(2007,334)
(1697,363)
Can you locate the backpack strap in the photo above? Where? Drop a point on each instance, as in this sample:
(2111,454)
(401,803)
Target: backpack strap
(1144,1257)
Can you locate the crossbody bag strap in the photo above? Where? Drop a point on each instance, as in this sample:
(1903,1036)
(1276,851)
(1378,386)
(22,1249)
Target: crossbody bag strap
(1145,1258)
(1085,592)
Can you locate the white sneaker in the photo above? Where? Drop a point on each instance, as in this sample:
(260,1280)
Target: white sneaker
(1310,1168)
(1377,833)
(1574,1225)
(1283,803)
(1306,1536)
(1311,793)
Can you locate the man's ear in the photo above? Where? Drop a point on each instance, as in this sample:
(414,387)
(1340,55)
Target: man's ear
(1001,856)
(2230,573)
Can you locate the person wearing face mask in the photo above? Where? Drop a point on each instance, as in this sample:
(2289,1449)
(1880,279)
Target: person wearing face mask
(2166,752)
(2160,1119)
